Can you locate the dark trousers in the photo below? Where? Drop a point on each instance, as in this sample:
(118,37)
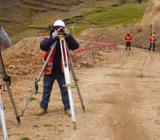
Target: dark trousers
(48,82)
(152,46)
(128,45)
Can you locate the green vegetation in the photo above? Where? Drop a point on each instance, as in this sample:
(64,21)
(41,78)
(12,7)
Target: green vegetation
(108,16)
(24,138)
(48,125)
(23,34)
(99,16)
(33,99)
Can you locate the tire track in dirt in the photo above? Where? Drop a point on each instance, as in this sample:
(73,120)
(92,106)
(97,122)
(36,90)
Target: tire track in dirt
(124,124)
(111,94)
(120,123)
(148,108)
(148,59)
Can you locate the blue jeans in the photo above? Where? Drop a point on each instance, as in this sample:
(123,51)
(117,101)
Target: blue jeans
(152,46)
(128,45)
(48,81)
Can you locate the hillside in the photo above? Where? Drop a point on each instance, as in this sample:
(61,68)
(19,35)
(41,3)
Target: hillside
(25,18)
(152,13)
(23,12)
(19,15)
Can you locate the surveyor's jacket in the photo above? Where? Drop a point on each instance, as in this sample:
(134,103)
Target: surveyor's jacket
(128,38)
(54,64)
(152,39)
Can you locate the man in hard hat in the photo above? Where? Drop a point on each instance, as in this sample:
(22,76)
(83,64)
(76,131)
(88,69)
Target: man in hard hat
(128,39)
(152,42)
(54,70)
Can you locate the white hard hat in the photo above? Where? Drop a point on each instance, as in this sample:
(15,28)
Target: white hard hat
(59,23)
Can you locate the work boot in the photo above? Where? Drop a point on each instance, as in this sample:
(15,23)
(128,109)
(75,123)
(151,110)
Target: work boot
(67,112)
(41,112)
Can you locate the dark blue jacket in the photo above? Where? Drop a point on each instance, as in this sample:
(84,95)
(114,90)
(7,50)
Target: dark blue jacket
(48,42)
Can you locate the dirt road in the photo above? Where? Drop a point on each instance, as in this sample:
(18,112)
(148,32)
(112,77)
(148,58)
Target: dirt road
(121,98)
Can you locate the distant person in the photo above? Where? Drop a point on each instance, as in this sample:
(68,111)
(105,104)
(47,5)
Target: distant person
(152,42)
(128,39)
(54,69)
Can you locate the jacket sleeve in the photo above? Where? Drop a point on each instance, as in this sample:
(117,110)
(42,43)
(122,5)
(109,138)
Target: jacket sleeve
(72,43)
(46,44)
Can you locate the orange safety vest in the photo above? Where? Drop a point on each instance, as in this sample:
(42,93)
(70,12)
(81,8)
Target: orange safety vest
(49,66)
(128,38)
(152,39)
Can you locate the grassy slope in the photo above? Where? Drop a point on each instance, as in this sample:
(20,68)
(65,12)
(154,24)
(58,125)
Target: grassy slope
(100,14)
(105,16)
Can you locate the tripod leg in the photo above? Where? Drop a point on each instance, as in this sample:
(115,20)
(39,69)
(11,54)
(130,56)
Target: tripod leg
(2,118)
(72,107)
(67,78)
(12,102)
(26,104)
(80,96)
(7,81)
(75,79)
(44,66)
(35,88)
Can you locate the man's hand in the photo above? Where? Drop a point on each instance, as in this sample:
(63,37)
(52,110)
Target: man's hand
(66,31)
(54,34)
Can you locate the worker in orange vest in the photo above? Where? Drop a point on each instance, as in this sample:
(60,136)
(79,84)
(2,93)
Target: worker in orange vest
(54,70)
(128,39)
(152,42)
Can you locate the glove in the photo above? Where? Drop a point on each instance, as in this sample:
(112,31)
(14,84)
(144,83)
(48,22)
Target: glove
(66,31)
(54,34)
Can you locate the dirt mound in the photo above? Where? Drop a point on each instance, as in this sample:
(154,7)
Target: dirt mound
(26,58)
(96,47)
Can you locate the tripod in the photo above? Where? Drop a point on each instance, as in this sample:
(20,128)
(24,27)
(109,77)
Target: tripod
(7,82)
(67,67)
(65,64)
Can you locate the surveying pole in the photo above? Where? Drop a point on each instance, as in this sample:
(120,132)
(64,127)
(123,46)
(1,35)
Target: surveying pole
(153,26)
